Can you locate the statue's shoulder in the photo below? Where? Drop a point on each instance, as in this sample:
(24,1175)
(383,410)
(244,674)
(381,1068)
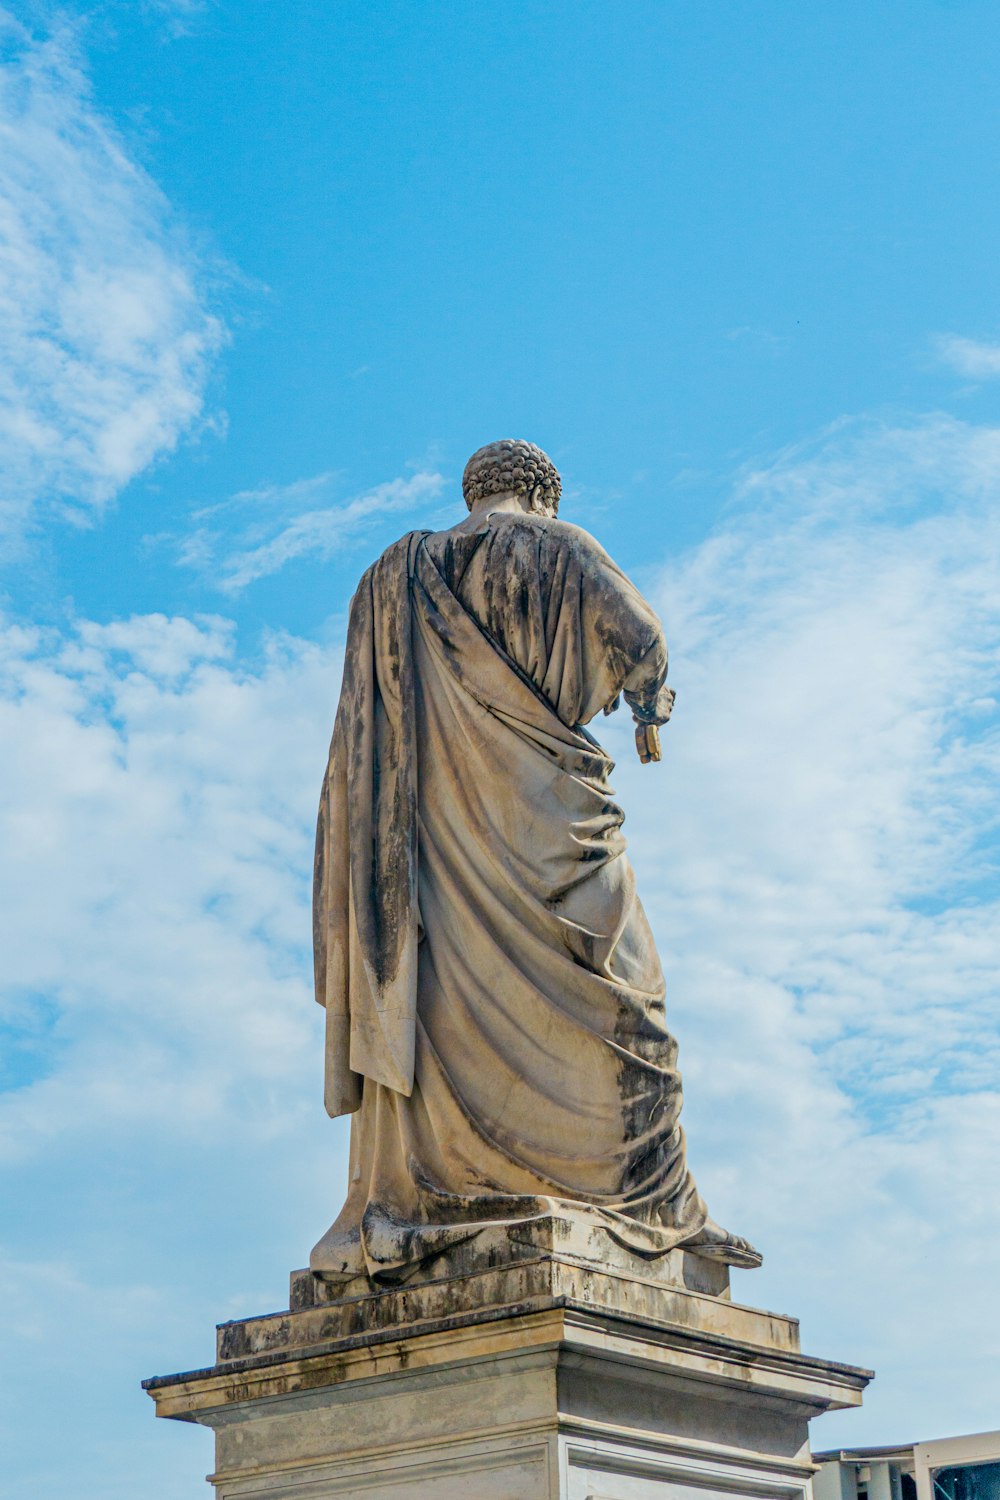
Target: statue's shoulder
(403,547)
(393,566)
(559,534)
(397,555)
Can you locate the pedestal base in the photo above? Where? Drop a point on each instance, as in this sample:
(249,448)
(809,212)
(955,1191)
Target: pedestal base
(543,1377)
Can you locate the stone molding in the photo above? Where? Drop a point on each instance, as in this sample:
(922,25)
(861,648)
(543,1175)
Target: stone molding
(545,1377)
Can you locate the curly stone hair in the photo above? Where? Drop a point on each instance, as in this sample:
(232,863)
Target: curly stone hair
(512,464)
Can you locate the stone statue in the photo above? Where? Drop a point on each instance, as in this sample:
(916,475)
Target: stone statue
(494,1001)
(523,1294)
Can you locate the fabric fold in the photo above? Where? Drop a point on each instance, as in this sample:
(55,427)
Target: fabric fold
(495,1005)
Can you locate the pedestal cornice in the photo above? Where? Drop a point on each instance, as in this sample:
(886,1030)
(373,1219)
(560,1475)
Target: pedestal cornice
(546,1378)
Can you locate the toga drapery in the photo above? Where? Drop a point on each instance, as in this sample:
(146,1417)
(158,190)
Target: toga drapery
(493,996)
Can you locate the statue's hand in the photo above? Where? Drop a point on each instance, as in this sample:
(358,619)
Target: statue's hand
(647,733)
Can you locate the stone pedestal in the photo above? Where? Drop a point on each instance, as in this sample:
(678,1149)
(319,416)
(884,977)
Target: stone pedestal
(556,1365)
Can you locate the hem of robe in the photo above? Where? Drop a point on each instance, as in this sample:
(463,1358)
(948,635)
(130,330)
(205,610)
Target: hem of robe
(389,1251)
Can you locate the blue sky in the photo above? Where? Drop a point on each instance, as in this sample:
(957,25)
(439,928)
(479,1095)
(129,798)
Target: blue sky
(268,274)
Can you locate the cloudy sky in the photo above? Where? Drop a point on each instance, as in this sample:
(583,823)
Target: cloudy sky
(268,273)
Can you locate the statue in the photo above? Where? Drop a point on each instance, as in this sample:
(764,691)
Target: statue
(494,1000)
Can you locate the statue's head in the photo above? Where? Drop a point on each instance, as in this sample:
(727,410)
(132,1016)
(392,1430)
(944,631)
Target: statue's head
(511,465)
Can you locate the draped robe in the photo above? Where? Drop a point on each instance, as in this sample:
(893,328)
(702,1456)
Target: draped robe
(494,1001)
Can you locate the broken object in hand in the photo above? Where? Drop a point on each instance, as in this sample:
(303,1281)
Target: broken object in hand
(647,742)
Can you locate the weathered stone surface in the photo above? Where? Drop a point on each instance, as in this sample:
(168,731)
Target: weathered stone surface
(528,1284)
(494,1000)
(572,1235)
(542,1376)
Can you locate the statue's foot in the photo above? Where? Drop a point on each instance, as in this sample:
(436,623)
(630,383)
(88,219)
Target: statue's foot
(717,1243)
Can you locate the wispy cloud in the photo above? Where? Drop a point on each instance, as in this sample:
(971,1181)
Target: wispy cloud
(156,1023)
(269,527)
(823,872)
(155,735)
(181,17)
(107,338)
(973,358)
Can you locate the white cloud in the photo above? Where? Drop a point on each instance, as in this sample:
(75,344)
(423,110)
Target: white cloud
(107,339)
(155,803)
(180,16)
(817,854)
(970,357)
(275,524)
(160,1070)
(822,876)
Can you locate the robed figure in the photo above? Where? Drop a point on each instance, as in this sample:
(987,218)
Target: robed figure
(494,1000)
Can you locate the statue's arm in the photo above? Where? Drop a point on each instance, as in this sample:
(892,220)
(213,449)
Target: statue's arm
(650,700)
(610,633)
(631,635)
(645,688)
(634,650)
